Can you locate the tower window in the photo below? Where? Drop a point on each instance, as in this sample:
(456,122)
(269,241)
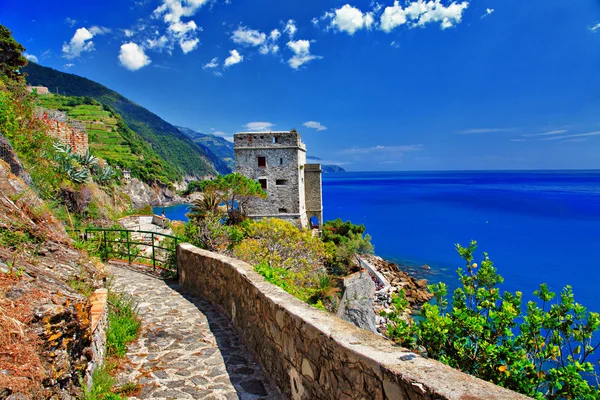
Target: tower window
(275,139)
(281,182)
(263,183)
(283,211)
(262,162)
(281,161)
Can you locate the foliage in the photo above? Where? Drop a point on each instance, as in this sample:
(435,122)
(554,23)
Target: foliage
(208,204)
(236,191)
(123,323)
(195,186)
(145,210)
(165,139)
(292,282)
(345,240)
(81,168)
(543,353)
(209,233)
(11,55)
(282,245)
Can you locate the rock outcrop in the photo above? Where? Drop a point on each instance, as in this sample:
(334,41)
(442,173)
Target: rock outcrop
(142,194)
(357,302)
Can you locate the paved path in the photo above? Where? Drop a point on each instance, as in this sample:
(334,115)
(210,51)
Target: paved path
(186,348)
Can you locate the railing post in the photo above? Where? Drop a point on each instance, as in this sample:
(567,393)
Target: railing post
(153,258)
(105,247)
(128,248)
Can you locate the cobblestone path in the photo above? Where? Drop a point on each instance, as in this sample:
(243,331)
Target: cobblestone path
(186,348)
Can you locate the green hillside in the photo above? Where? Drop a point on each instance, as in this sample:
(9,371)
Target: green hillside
(179,151)
(111,139)
(222,148)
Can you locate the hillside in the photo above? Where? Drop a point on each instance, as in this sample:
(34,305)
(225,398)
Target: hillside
(111,139)
(222,148)
(174,147)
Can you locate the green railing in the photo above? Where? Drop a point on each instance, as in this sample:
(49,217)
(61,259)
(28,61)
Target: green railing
(134,247)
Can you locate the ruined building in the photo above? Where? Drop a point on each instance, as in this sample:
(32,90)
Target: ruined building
(64,129)
(278,161)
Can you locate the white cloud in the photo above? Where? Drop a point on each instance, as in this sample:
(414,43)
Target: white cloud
(595,28)
(248,37)
(214,63)
(577,135)
(382,149)
(188,45)
(274,35)
(259,126)
(290,28)
(70,21)
(488,12)
(99,30)
(301,49)
(80,42)
(550,133)
(182,33)
(314,125)
(234,58)
(392,17)
(70,65)
(421,13)
(350,19)
(224,135)
(133,57)
(128,32)
(486,130)
(30,57)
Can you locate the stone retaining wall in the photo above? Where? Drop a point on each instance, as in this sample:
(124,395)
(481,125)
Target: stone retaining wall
(99,324)
(311,354)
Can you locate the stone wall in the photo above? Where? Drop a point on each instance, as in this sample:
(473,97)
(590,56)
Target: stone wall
(311,354)
(99,324)
(64,129)
(313,192)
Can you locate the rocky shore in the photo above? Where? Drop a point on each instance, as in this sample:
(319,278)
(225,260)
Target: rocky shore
(415,290)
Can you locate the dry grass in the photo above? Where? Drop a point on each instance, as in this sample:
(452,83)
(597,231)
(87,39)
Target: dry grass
(18,346)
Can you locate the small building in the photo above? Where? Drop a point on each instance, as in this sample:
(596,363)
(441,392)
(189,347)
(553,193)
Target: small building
(38,89)
(278,161)
(127,175)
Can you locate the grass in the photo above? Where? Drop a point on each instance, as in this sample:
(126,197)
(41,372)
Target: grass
(123,328)
(123,323)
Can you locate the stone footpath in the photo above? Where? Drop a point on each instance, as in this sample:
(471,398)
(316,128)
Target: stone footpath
(186,348)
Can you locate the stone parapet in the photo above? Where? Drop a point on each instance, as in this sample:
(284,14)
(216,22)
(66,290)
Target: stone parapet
(99,324)
(311,354)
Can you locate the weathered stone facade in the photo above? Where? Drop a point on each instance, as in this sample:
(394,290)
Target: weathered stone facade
(65,129)
(311,354)
(278,161)
(38,89)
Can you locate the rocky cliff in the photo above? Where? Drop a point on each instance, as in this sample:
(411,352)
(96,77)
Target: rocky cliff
(142,194)
(45,333)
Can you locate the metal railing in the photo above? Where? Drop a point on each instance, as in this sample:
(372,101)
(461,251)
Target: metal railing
(134,246)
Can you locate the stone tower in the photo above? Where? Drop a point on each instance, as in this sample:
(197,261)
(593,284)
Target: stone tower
(277,160)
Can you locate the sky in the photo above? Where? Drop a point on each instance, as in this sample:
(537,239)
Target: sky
(387,85)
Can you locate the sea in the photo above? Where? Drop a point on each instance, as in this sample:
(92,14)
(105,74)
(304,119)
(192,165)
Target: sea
(536,226)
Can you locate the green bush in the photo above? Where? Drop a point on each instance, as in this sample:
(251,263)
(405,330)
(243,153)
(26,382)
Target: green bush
(543,352)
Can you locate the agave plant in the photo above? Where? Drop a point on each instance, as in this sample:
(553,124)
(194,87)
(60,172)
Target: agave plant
(105,175)
(86,160)
(78,175)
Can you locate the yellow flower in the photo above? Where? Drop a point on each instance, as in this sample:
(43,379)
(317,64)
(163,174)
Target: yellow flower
(502,368)
(474,265)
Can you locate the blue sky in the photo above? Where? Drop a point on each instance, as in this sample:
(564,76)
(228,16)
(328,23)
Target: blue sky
(405,85)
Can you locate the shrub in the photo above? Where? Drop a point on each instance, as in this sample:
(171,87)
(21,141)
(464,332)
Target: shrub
(123,323)
(543,353)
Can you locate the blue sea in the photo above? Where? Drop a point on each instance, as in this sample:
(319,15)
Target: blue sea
(540,226)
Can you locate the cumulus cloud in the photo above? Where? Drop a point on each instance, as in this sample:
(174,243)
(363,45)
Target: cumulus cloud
(99,30)
(314,125)
(421,13)
(595,28)
(259,126)
(350,19)
(30,57)
(81,42)
(133,57)
(290,28)
(234,58)
(301,50)
(382,149)
(274,35)
(182,33)
(248,37)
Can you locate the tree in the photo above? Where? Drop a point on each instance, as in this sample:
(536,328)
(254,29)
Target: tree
(345,241)
(237,191)
(11,55)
